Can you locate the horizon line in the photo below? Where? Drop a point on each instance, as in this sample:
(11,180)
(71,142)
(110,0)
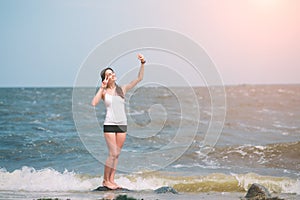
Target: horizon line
(174,86)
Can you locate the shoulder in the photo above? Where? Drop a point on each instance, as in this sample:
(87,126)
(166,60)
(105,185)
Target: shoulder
(103,94)
(124,89)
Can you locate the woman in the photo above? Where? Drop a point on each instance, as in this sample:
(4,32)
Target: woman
(115,123)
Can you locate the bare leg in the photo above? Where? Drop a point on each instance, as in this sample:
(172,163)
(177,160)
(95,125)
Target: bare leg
(120,139)
(111,145)
(115,142)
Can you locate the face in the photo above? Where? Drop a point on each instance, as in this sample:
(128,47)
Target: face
(110,75)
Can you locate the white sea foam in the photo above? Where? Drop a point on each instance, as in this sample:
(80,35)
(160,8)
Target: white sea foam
(39,128)
(36,121)
(277,125)
(135,112)
(50,180)
(274,184)
(29,179)
(197,165)
(141,183)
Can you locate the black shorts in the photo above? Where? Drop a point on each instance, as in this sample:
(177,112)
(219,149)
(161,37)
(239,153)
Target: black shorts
(115,128)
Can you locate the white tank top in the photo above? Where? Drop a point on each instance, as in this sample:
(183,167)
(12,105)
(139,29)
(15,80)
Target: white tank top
(115,110)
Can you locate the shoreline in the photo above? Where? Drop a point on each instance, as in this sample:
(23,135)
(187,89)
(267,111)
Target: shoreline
(12,195)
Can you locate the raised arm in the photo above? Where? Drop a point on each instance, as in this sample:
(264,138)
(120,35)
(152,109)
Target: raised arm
(140,75)
(101,92)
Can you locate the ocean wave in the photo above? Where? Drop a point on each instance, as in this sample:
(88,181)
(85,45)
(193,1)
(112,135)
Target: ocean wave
(281,155)
(207,165)
(30,179)
(39,128)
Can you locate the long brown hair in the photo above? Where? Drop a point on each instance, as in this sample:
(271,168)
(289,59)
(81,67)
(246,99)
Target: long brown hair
(119,90)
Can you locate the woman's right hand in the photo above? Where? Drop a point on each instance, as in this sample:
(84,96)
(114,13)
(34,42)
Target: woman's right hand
(104,82)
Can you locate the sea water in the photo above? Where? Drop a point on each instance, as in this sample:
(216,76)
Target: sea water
(43,152)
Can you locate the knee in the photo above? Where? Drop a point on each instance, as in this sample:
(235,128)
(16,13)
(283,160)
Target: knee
(114,156)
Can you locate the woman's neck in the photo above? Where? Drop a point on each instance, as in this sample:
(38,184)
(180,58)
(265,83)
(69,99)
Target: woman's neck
(112,86)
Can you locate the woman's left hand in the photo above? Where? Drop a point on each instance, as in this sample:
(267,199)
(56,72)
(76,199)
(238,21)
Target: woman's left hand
(141,57)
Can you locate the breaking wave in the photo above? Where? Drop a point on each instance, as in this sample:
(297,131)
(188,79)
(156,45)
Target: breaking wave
(30,179)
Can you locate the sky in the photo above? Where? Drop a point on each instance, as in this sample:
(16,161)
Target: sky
(43,43)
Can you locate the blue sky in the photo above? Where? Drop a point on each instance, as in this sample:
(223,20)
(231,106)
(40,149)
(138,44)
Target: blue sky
(44,42)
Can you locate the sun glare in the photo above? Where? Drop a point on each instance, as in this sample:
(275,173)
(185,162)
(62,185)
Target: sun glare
(269,7)
(267,3)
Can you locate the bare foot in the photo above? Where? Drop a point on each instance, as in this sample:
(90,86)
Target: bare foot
(109,185)
(118,187)
(115,184)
